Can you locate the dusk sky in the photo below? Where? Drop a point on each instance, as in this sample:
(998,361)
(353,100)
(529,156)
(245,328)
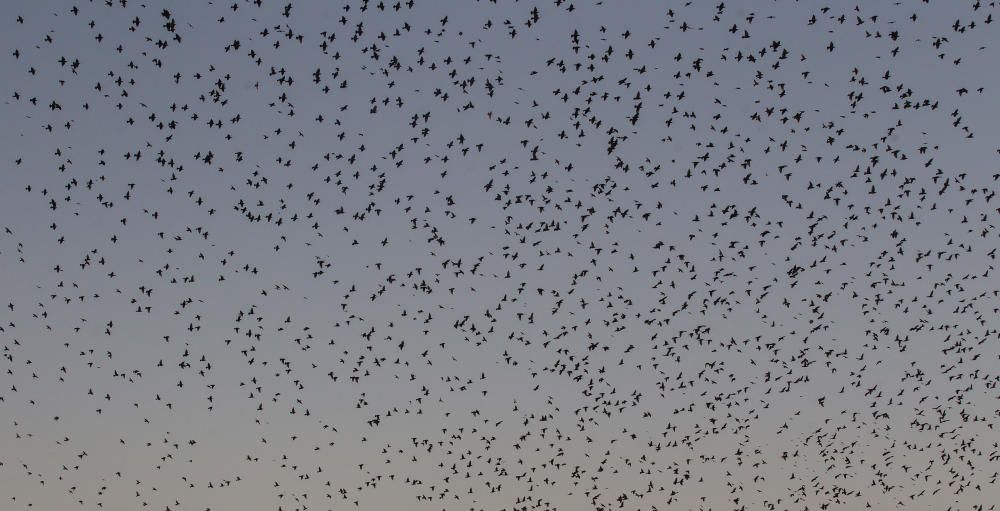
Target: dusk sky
(499,255)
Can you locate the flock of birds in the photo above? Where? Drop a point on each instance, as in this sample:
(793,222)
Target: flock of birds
(499,255)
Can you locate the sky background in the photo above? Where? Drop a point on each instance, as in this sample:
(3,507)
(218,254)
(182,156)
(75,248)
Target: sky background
(344,256)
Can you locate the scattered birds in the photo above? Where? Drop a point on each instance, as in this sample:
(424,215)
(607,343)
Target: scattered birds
(506,256)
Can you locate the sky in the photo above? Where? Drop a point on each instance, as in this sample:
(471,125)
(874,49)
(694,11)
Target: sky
(498,255)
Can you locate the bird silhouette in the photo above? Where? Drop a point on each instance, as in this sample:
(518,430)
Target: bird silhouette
(510,256)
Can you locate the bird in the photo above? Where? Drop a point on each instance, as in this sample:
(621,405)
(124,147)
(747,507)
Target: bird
(388,254)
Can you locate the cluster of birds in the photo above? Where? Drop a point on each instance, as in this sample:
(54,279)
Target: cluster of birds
(493,255)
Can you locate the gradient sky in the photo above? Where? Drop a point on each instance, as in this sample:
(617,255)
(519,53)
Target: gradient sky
(499,255)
